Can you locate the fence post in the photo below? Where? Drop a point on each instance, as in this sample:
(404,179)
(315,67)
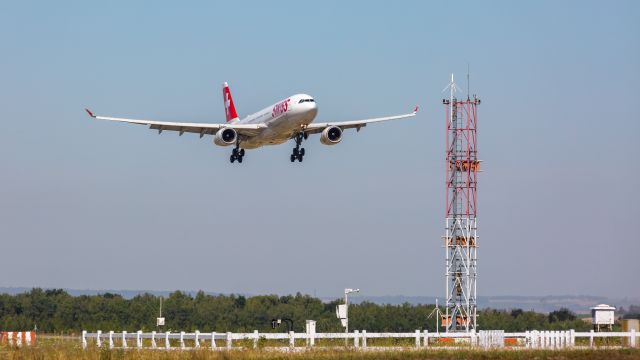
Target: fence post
(561,339)
(572,338)
(539,339)
(182,340)
(98,340)
(197,340)
(632,340)
(591,339)
(111,339)
(417,338)
(167,343)
(426,338)
(139,339)
(312,338)
(356,338)
(153,340)
(84,339)
(255,339)
(547,339)
(213,341)
(292,340)
(364,338)
(124,339)
(229,341)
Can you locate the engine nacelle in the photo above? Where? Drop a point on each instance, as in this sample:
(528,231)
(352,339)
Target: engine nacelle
(225,137)
(331,135)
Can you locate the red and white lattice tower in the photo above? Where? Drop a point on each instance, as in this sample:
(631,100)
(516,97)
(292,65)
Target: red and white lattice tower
(462,166)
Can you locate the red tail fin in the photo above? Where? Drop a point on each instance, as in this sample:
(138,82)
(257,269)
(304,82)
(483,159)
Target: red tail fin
(229,107)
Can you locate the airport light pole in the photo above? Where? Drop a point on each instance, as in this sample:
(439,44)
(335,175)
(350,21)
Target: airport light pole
(346,303)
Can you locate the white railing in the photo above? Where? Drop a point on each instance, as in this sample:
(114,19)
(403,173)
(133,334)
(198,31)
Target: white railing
(358,339)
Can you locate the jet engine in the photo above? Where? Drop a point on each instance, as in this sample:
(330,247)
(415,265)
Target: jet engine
(225,137)
(331,135)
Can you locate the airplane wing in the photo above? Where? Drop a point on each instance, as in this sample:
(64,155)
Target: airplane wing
(315,128)
(180,127)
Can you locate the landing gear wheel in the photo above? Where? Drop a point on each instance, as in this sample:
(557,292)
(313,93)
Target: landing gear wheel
(298,153)
(236,154)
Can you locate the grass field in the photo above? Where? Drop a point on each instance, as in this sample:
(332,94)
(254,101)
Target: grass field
(67,350)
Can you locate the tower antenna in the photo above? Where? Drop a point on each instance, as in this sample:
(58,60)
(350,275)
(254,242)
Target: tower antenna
(452,94)
(468,83)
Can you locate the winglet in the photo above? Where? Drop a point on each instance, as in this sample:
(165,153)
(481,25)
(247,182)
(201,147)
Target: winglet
(89,112)
(415,110)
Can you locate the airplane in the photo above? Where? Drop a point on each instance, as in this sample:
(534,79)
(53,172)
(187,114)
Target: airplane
(290,118)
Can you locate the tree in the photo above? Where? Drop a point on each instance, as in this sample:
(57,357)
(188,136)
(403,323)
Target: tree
(563,314)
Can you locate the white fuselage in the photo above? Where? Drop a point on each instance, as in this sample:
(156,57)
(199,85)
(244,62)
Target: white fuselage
(283,119)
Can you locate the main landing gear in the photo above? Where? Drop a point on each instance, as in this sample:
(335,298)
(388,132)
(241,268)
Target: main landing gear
(237,154)
(298,152)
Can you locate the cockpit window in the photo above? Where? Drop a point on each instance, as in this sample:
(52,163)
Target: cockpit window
(305,100)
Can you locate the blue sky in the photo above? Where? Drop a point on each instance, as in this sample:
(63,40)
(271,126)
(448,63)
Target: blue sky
(86,204)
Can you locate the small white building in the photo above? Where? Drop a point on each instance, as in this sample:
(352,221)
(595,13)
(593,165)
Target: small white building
(602,316)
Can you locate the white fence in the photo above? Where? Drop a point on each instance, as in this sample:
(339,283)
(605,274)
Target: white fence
(357,339)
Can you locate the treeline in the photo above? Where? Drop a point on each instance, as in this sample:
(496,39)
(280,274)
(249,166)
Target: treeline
(55,311)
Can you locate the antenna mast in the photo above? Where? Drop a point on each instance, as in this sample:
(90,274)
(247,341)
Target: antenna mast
(462,166)
(468,83)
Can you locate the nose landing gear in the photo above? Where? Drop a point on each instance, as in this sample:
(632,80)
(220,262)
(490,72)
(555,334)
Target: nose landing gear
(236,154)
(298,152)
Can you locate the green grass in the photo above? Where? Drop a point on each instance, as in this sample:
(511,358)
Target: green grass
(67,350)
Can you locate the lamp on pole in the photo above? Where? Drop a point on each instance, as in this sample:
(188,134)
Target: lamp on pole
(346,305)
(160,319)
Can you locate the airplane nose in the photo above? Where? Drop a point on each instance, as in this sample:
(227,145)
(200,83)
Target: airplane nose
(313,108)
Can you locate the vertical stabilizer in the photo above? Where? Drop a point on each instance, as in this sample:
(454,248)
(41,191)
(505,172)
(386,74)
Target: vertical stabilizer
(229,108)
